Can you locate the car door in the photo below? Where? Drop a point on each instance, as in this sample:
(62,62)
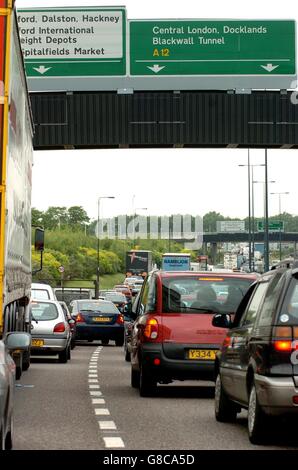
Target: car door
(236,357)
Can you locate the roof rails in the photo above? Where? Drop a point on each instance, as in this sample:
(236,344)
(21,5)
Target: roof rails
(289,263)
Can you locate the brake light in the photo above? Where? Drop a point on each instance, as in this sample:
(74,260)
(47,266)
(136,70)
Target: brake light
(59,328)
(151,329)
(120,319)
(283,345)
(226,342)
(79,318)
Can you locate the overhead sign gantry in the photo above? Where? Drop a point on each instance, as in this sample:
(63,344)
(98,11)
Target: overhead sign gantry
(63,45)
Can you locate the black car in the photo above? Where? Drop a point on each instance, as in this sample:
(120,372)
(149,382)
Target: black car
(257,367)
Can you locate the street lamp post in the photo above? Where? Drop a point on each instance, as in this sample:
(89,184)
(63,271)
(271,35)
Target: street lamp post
(279,194)
(266,227)
(98,218)
(251,221)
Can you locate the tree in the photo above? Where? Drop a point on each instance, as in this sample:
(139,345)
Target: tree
(77,216)
(55,217)
(36,217)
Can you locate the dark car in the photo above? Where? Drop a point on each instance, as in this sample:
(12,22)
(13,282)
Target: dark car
(118,299)
(98,320)
(13,342)
(128,327)
(173,337)
(71,322)
(257,367)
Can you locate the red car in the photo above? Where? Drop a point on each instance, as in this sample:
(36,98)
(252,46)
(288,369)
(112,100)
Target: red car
(173,337)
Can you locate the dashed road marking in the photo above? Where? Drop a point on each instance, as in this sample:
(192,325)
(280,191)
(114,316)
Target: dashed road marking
(101,411)
(96,394)
(98,401)
(113,442)
(107,425)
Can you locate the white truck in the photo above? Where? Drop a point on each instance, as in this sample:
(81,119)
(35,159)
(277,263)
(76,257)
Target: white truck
(16,152)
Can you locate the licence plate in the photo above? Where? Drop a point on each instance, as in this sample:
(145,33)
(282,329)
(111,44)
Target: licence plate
(101,319)
(205,354)
(37,343)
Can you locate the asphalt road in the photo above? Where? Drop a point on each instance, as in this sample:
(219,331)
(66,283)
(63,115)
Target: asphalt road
(90,405)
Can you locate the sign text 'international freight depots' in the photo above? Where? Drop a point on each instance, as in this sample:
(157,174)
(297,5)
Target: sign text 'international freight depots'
(96,42)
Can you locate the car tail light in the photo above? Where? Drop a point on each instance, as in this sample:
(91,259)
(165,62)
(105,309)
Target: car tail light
(80,318)
(59,328)
(283,345)
(120,319)
(226,342)
(151,329)
(295,400)
(283,338)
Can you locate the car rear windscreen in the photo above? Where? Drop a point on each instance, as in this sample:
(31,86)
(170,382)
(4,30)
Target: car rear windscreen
(194,294)
(40,294)
(44,311)
(116,297)
(98,307)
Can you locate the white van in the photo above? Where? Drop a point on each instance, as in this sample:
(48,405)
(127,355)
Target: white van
(42,292)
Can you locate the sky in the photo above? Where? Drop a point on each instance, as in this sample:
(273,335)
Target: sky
(167,181)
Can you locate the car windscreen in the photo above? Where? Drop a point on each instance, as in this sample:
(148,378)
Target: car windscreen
(40,294)
(203,294)
(120,298)
(44,311)
(104,307)
(289,312)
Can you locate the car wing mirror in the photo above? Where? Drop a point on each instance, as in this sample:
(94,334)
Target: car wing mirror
(18,340)
(221,320)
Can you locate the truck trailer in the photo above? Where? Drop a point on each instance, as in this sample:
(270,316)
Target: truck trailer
(16,155)
(138,263)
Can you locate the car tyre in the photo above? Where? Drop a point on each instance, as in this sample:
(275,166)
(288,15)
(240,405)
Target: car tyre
(105,342)
(119,342)
(26,360)
(147,384)
(63,356)
(135,378)
(127,355)
(69,353)
(257,420)
(225,409)
(8,437)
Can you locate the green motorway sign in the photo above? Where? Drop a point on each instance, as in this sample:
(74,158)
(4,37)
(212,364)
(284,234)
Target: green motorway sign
(272,227)
(62,42)
(211,47)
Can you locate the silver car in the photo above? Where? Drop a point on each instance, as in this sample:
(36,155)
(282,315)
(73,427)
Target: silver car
(13,342)
(50,329)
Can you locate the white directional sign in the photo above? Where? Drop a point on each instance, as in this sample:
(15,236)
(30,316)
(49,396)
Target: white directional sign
(73,41)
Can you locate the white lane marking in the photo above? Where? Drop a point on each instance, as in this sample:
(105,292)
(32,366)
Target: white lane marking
(94,381)
(107,425)
(113,442)
(94,386)
(98,401)
(101,411)
(96,394)
(92,375)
